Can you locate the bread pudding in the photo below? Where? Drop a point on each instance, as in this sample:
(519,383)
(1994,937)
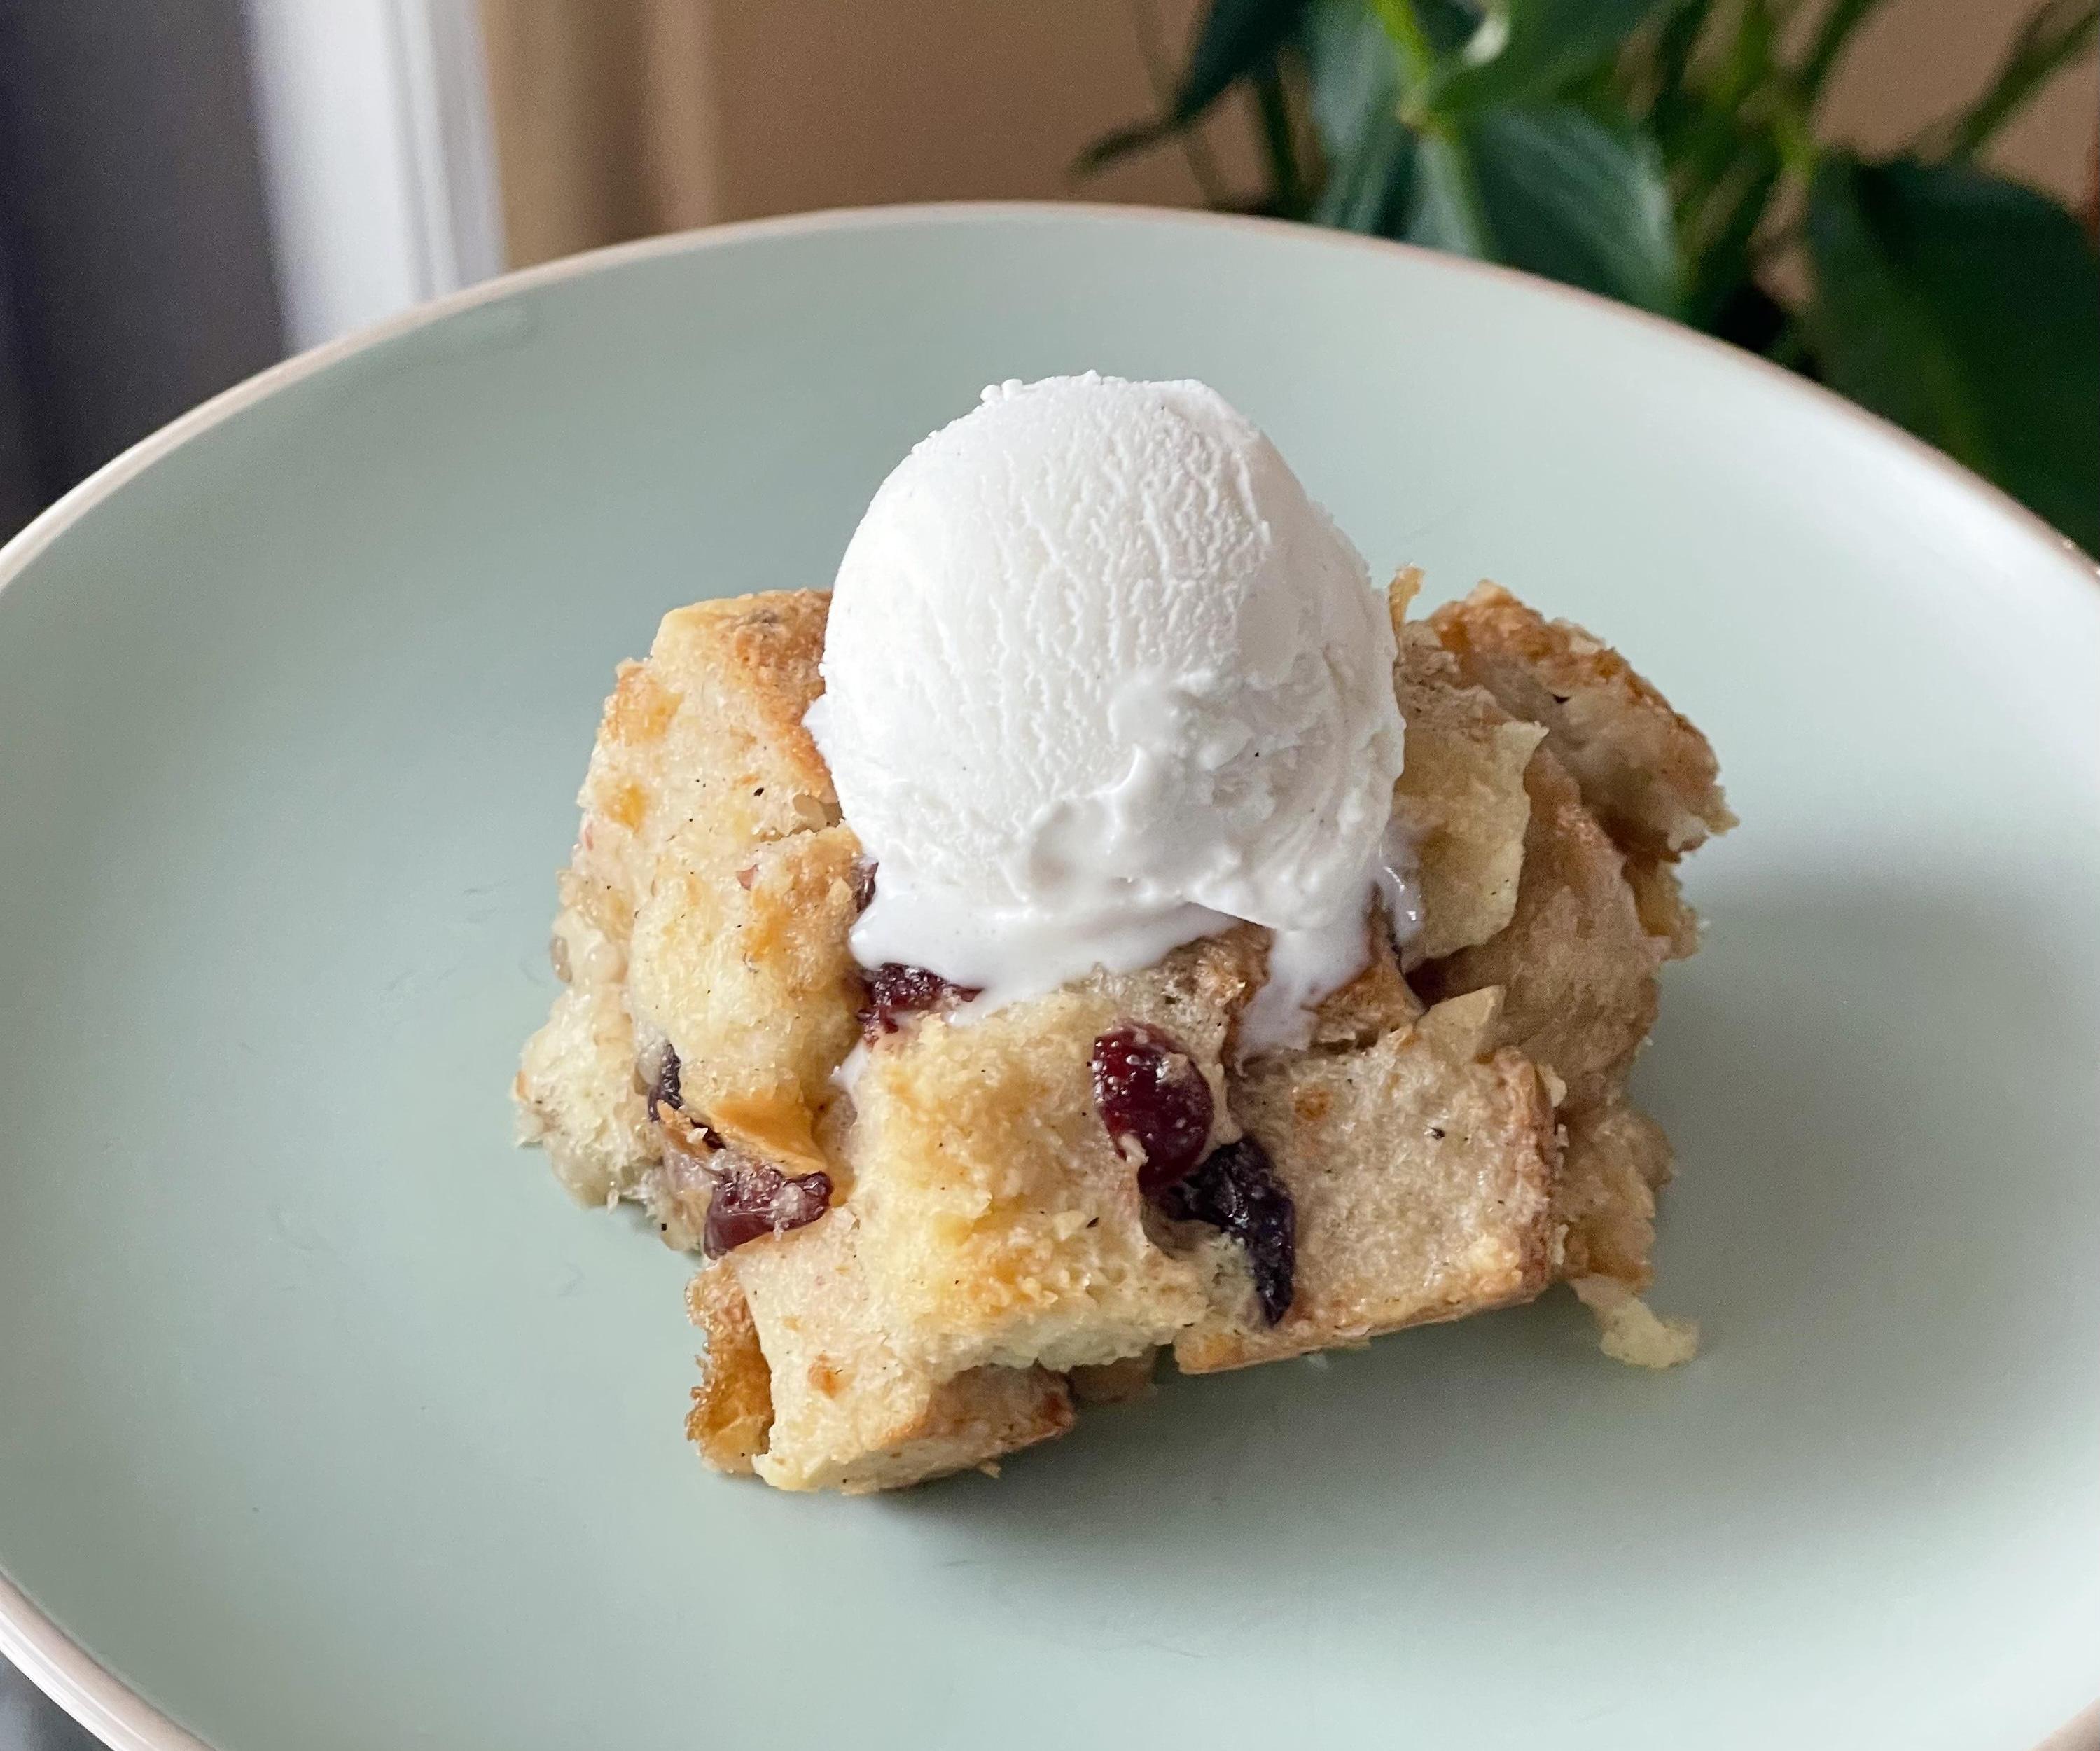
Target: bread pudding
(940,1207)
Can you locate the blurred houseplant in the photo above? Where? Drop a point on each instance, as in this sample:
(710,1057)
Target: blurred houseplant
(1662,152)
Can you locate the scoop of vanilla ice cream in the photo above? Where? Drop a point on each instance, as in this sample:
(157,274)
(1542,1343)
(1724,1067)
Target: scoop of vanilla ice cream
(1100,679)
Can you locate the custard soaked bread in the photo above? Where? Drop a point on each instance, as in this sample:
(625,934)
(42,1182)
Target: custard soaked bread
(931,1226)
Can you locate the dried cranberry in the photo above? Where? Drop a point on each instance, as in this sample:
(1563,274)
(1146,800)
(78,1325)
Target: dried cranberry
(752,1200)
(863,883)
(1148,1092)
(1236,1190)
(894,989)
(663,1091)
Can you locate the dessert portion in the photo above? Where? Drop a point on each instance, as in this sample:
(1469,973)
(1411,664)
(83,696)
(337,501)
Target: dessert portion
(1100,679)
(1037,955)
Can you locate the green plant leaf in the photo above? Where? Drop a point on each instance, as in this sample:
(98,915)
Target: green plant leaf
(1447,26)
(1744,66)
(1425,35)
(1554,191)
(1527,51)
(1449,212)
(1350,71)
(1354,78)
(1963,307)
(1373,191)
(1239,39)
(1718,227)
(1668,105)
(1120,143)
(1279,143)
(2053,37)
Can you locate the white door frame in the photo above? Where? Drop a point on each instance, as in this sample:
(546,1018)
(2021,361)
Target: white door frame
(378,156)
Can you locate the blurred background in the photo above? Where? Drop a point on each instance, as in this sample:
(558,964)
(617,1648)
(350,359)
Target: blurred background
(189,189)
(1896,196)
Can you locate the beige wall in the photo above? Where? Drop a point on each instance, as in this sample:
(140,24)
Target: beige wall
(619,118)
(605,122)
(1917,60)
(825,103)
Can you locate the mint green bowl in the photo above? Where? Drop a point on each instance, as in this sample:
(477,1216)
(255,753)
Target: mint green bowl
(326,1421)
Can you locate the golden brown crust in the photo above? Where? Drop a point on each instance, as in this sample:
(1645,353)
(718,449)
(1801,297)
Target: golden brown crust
(1646,771)
(709,726)
(732,1410)
(776,643)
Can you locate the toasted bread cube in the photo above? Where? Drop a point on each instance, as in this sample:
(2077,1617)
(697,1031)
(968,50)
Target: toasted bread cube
(1576,965)
(1001,1224)
(1461,797)
(1650,777)
(741,962)
(849,1413)
(1422,1169)
(710,726)
(710,828)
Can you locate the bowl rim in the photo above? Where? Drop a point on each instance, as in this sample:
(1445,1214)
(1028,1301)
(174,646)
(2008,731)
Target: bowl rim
(40,532)
(50,1658)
